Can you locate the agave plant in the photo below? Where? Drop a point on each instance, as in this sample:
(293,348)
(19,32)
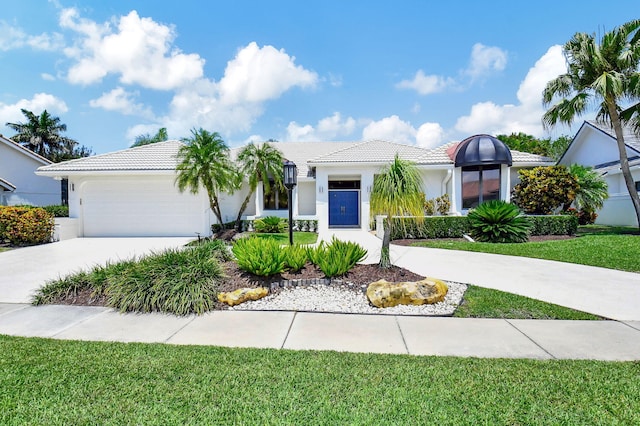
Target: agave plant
(497,221)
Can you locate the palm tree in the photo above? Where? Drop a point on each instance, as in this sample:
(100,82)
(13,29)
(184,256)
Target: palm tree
(204,162)
(41,134)
(259,163)
(397,191)
(606,72)
(592,188)
(147,139)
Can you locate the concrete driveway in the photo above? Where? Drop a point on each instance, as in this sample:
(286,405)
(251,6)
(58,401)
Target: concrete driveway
(25,270)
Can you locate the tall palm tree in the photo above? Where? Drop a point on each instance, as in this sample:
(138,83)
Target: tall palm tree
(41,134)
(592,188)
(259,163)
(607,72)
(204,162)
(397,191)
(146,139)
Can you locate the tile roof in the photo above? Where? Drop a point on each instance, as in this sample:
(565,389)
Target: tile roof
(157,156)
(374,151)
(162,156)
(631,139)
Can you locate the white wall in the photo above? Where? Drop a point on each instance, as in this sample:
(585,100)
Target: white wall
(19,168)
(306,198)
(617,210)
(591,147)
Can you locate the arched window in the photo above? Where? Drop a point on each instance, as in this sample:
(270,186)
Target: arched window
(480,158)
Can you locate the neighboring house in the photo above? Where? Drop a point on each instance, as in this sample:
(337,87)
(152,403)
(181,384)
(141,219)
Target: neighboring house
(133,193)
(595,145)
(18,183)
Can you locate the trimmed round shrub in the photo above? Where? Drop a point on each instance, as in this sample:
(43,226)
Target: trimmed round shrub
(25,225)
(498,222)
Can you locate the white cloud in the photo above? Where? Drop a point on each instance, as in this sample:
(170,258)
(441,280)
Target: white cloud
(10,113)
(47,77)
(139,50)
(430,135)
(486,59)
(121,101)
(426,84)
(328,128)
(258,74)
(391,129)
(526,116)
(12,37)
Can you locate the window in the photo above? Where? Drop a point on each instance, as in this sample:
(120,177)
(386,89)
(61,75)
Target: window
(479,184)
(276,199)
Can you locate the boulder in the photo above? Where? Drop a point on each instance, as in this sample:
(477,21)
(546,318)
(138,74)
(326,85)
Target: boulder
(241,295)
(384,294)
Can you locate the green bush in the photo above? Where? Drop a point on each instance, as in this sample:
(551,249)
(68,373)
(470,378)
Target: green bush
(295,257)
(553,225)
(497,221)
(25,225)
(270,225)
(175,281)
(542,190)
(337,257)
(430,227)
(259,256)
(57,211)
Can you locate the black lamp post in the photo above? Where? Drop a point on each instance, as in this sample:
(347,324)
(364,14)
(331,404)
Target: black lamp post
(290,181)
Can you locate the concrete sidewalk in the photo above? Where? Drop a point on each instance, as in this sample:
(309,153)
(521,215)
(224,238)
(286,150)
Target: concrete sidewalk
(485,338)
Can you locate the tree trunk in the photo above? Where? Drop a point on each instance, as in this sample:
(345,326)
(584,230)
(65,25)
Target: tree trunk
(215,207)
(385,259)
(624,160)
(243,207)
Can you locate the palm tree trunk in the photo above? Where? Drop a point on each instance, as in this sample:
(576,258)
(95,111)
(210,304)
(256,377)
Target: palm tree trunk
(243,207)
(385,259)
(624,160)
(215,206)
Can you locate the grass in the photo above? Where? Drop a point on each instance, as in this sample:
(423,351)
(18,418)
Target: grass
(482,302)
(66,382)
(298,237)
(607,247)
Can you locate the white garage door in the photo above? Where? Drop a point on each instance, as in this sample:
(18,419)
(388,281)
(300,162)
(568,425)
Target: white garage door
(141,206)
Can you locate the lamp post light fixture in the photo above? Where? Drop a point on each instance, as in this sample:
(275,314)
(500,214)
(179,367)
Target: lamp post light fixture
(290,181)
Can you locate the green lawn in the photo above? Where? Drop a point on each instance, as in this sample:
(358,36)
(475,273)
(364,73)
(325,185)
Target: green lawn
(298,237)
(65,382)
(480,302)
(605,247)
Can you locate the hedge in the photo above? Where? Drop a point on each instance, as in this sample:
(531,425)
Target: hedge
(457,226)
(25,225)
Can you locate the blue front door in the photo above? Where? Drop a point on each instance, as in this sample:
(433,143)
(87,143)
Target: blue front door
(343,208)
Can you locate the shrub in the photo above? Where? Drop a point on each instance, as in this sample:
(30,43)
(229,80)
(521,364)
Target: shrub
(57,211)
(175,281)
(337,257)
(295,257)
(443,204)
(553,225)
(497,221)
(270,225)
(430,227)
(429,207)
(259,256)
(25,225)
(542,190)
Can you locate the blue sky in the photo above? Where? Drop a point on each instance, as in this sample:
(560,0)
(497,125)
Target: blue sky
(415,72)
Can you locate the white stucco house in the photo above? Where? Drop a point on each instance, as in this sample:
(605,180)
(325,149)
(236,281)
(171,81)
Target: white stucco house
(132,192)
(595,145)
(18,182)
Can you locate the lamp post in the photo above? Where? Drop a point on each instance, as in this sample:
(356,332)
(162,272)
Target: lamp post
(290,181)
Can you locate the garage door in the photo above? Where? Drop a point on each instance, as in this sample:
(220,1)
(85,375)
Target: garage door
(149,207)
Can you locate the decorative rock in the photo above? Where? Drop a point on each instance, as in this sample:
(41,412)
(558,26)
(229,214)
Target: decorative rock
(242,295)
(384,294)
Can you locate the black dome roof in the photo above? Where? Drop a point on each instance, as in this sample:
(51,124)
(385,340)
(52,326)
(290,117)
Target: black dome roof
(481,150)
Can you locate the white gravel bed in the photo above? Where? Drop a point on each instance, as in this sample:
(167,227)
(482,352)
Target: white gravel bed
(327,298)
